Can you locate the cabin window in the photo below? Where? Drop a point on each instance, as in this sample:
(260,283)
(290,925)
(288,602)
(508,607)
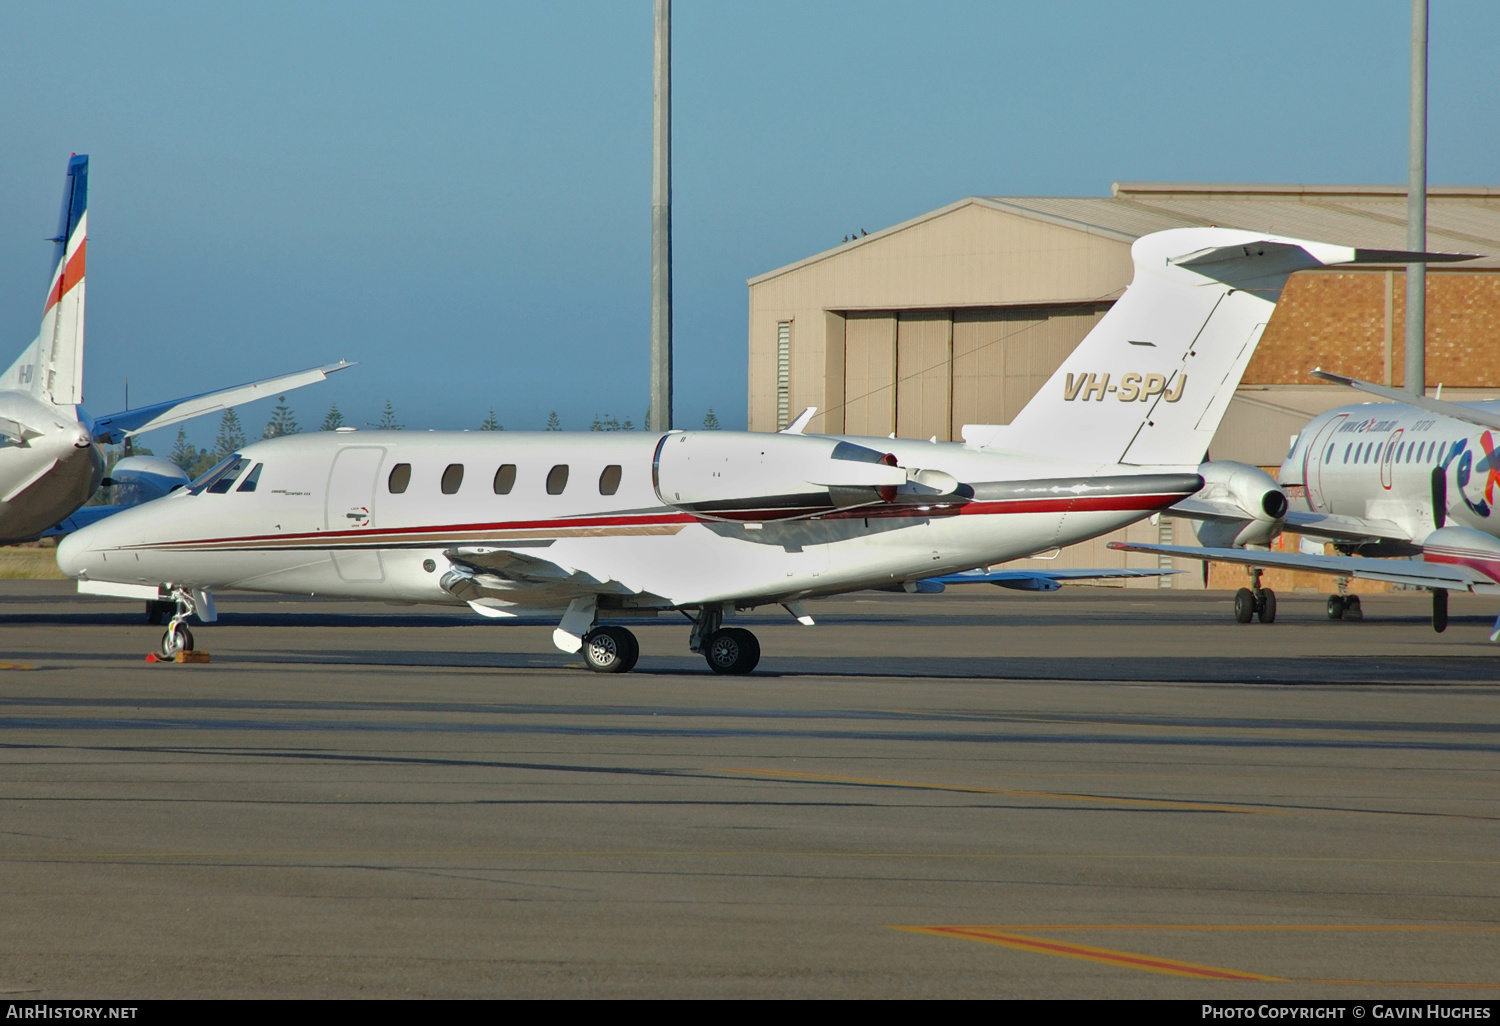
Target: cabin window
(399,479)
(557,479)
(505,478)
(251,479)
(225,480)
(609,481)
(1401,448)
(1328,456)
(1346,451)
(452,478)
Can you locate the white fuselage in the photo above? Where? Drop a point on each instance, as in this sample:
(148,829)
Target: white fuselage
(330,514)
(48,475)
(1375,461)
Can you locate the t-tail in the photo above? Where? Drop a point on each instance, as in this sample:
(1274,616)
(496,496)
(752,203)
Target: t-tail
(1150,384)
(51,368)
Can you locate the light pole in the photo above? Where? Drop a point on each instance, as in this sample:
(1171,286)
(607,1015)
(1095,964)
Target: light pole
(661,223)
(1416,207)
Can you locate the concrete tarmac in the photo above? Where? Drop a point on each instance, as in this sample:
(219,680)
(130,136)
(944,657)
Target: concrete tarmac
(1094,793)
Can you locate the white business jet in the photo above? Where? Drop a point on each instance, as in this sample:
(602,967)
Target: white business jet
(50,457)
(597,527)
(1411,478)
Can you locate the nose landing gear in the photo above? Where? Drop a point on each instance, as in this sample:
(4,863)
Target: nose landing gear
(178,638)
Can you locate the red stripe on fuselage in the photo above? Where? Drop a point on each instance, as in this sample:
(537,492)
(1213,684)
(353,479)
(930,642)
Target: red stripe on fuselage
(72,275)
(1486,564)
(1071,504)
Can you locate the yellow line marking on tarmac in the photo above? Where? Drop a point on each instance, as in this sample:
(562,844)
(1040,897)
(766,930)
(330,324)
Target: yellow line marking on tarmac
(16,666)
(1007,936)
(919,785)
(1107,956)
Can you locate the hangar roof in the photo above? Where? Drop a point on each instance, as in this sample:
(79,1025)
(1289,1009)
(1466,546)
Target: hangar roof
(1460,219)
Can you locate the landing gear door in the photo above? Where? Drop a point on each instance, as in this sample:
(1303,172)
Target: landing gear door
(349,510)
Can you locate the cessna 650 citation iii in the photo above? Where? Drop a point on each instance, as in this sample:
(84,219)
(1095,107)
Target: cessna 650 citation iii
(50,460)
(1414,478)
(598,526)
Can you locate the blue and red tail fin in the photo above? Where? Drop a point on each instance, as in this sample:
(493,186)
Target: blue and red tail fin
(52,367)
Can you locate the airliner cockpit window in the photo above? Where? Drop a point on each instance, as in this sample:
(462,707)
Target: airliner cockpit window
(251,479)
(226,480)
(213,473)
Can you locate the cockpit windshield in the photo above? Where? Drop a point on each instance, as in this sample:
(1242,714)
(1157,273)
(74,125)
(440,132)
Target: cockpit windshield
(219,477)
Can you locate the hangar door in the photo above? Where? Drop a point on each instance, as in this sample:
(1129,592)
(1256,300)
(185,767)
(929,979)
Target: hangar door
(922,373)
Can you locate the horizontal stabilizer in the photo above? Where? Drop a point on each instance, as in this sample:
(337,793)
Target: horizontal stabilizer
(1412,572)
(1455,410)
(1335,525)
(115,427)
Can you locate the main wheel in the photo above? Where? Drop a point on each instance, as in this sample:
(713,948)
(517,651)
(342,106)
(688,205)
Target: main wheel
(1244,605)
(1265,606)
(1335,607)
(1439,609)
(610,650)
(177,639)
(732,651)
(1352,610)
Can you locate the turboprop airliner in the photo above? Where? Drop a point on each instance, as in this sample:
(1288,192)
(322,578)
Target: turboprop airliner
(1412,478)
(50,456)
(592,527)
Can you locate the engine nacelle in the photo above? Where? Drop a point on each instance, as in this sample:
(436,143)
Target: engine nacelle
(143,478)
(754,477)
(1240,489)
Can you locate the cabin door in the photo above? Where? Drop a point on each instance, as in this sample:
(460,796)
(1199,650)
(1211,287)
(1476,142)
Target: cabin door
(350,512)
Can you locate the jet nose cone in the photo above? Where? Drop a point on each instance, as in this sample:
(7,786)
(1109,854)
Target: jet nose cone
(73,554)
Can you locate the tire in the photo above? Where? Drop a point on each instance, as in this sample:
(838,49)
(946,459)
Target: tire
(1352,610)
(1335,607)
(610,650)
(1439,610)
(1244,605)
(732,651)
(176,639)
(1266,607)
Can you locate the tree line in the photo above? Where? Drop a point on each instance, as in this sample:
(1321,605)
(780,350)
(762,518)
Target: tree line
(231,437)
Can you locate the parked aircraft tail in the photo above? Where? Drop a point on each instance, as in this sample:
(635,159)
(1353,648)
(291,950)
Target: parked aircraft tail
(51,368)
(1150,383)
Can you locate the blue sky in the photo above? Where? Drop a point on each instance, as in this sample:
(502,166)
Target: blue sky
(458,195)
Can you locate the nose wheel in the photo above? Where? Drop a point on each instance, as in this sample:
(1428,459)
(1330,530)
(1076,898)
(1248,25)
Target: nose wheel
(177,639)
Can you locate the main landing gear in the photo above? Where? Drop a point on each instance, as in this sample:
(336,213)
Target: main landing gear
(609,649)
(733,651)
(1344,606)
(1255,601)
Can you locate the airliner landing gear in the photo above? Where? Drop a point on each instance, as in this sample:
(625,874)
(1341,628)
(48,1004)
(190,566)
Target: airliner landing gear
(1255,601)
(1439,609)
(610,650)
(1344,607)
(728,650)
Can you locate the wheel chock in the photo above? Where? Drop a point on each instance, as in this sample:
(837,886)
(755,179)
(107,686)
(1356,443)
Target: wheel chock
(180,657)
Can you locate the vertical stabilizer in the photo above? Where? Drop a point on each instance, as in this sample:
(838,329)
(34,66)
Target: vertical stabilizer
(51,369)
(1150,384)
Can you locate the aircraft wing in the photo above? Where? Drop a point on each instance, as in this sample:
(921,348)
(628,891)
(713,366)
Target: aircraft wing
(1422,402)
(115,427)
(81,518)
(1028,580)
(1334,525)
(1415,572)
(482,571)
